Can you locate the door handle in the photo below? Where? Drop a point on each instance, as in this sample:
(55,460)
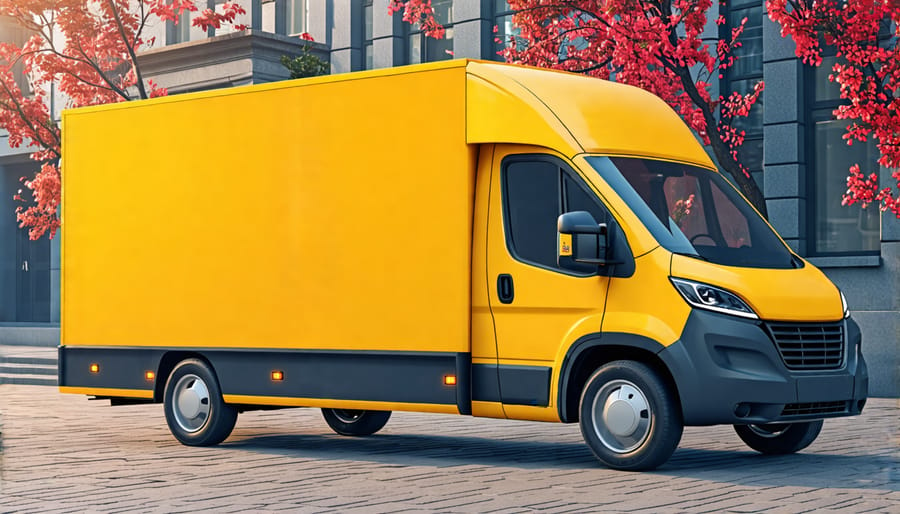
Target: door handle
(505,290)
(24,265)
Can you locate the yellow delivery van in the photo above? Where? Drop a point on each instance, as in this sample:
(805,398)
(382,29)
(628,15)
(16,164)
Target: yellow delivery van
(461,237)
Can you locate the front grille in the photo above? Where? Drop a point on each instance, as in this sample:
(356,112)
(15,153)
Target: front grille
(809,346)
(805,409)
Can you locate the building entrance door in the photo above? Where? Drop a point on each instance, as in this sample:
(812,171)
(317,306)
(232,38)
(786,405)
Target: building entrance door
(32,278)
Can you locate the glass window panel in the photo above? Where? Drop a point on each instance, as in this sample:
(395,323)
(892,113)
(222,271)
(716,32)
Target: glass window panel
(577,199)
(505,29)
(750,154)
(825,89)
(268,16)
(415,48)
(532,207)
(182,31)
(752,124)
(501,6)
(368,15)
(370,56)
(750,53)
(685,206)
(298,14)
(842,228)
(732,223)
(439,49)
(443,11)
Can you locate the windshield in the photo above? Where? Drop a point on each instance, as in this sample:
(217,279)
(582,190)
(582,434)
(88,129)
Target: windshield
(694,211)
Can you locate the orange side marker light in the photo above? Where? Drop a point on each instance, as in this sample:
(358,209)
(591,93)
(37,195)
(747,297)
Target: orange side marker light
(277,375)
(149,375)
(450,380)
(95,368)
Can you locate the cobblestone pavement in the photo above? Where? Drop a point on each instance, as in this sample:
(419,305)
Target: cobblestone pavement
(65,453)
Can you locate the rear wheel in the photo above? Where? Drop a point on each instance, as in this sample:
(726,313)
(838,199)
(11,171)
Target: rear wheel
(629,417)
(195,411)
(779,438)
(356,422)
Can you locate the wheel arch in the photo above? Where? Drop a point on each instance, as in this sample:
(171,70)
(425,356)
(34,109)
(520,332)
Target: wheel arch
(594,350)
(167,364)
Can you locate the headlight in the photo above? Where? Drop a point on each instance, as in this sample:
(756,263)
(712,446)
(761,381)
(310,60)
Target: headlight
(844,306)
(712,298)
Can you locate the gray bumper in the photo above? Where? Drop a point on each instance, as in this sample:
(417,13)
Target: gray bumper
(729,371)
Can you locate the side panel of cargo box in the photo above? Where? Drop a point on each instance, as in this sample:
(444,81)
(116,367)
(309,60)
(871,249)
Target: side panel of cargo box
(319,227)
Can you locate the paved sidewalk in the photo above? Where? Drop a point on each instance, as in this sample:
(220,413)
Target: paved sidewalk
(41,352)
(31,365)
(64,453)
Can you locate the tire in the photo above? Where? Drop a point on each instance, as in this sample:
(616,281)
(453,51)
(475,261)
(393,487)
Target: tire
(630,417)
(195,411)
(779,438)
(356,422)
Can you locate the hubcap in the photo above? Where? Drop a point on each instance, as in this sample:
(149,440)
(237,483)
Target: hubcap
(347,416)
(621,416)
(191,405)
(770,431)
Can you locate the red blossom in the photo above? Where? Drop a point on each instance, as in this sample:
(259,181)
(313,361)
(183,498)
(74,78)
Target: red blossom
(868,72)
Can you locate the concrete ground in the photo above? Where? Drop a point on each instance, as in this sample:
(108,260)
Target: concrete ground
(65,453)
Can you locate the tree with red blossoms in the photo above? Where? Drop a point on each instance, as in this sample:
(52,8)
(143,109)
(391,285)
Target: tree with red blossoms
(652,44)
(864,34)
(88,50)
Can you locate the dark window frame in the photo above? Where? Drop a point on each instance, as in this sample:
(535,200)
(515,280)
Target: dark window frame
(368,38)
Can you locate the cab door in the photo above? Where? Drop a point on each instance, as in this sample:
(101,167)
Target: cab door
(538,310)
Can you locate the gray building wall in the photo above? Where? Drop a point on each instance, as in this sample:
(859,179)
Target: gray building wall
(871,283)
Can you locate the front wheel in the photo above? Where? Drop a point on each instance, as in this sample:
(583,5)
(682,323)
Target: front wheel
(779,438)
(356,422)
(630,417)
(195,411)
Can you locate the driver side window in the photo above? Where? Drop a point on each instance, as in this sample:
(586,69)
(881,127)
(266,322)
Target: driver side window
(536,190)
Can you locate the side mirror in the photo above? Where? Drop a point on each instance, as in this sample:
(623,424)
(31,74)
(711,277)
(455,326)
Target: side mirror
(581,241)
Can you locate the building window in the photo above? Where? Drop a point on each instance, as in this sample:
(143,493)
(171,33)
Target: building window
(368,31)
(836,229)
(743,76)
(298,16)
(503,23)
(180,32)
(425,49)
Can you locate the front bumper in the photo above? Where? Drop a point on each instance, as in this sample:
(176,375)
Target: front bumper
(729,371)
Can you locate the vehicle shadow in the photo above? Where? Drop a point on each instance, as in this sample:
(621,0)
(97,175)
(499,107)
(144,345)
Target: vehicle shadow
(813,470)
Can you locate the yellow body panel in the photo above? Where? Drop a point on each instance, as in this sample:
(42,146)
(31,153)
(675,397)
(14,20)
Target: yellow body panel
(573,113)
(339,404)
(646,303)
(803,294)
(488,409)
(299,224)
(105,391)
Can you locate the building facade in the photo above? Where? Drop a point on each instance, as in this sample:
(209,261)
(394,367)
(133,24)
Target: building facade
(793,146)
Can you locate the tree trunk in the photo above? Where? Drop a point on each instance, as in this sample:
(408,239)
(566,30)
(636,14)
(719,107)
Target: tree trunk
(746,184)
